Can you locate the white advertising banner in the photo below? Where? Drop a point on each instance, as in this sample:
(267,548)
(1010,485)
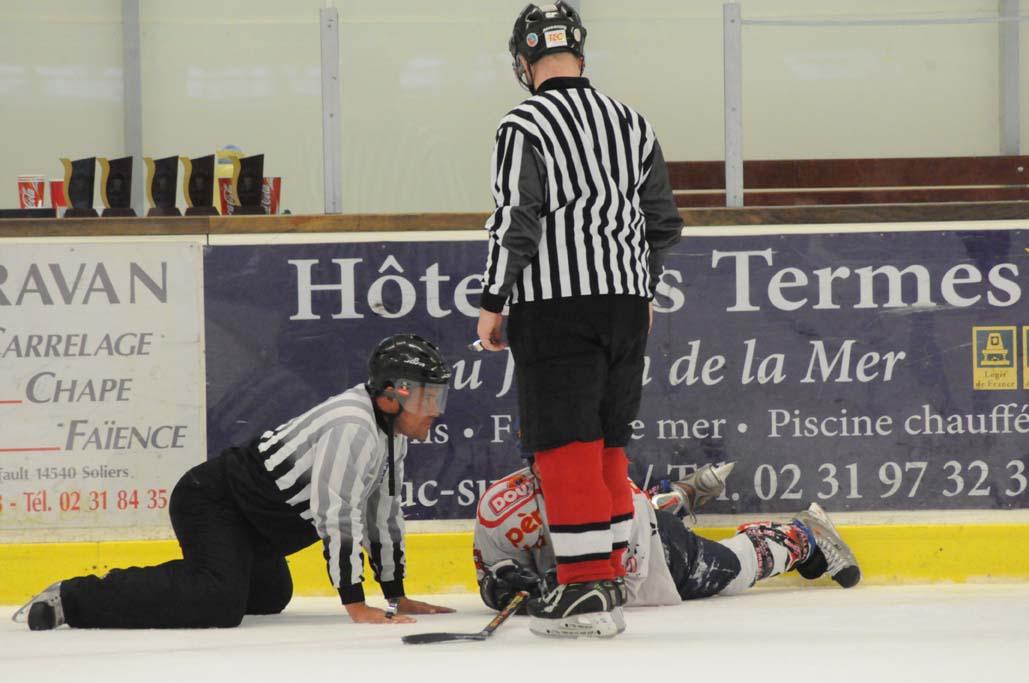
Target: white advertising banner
(101,381)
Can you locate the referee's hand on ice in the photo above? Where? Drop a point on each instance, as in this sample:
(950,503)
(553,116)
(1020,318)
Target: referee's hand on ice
(361,613)
(406,605)
(490,329)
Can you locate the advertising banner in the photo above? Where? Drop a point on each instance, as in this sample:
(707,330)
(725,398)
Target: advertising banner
(877,370)
(101,376)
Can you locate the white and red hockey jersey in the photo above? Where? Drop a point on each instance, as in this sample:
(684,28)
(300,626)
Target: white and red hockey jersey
(511,524)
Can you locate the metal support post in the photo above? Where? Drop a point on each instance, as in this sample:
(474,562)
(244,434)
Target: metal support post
(132,99)
(732,57)
(332,122)
(1010,94)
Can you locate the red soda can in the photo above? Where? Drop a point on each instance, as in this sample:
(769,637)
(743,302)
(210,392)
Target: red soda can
(271,190)
(30,191)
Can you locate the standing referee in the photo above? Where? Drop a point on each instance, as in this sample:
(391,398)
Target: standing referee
(584,214)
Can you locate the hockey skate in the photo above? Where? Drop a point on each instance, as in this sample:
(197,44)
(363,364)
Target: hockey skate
(578,610)
(44,611)
(699,487)
(832,554)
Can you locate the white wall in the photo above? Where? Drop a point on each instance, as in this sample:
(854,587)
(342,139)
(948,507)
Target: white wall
(240,73)
(424,83)
(871,90)
(60,87)
(1023,44)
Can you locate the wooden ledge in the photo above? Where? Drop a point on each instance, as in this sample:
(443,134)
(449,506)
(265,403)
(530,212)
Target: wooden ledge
(222,225)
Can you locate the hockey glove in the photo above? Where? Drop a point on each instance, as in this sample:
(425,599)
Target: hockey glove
(502,580)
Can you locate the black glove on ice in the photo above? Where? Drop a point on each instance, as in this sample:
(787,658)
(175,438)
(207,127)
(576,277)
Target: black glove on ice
(505,578)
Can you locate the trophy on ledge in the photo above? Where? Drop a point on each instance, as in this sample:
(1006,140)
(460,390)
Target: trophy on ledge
(161,178)
(116,187)
(198,185)
(79,176)
(247,181)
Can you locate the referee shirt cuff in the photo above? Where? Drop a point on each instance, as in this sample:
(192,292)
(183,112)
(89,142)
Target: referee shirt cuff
(393,589)
(494,303)
(351,594)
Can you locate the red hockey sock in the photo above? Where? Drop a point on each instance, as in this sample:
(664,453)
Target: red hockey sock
(616,476)
(578,510)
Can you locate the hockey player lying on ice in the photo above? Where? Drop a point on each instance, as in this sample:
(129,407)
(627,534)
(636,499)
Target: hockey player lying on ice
(665,562)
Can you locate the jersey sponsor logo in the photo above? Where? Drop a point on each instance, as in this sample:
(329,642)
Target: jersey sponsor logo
(504,498)
(523,531)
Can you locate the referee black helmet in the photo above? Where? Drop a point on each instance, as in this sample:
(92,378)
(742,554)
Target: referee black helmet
(412,370)
(542,30)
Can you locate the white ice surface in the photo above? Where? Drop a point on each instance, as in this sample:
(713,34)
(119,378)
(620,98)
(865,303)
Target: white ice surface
(967,633)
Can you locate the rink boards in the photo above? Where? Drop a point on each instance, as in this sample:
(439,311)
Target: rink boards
(878,369)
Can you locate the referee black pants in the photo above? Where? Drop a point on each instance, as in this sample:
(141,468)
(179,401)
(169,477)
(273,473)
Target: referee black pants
(227,570)
(578,368)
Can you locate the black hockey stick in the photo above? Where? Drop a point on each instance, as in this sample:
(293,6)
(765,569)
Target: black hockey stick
(509,609)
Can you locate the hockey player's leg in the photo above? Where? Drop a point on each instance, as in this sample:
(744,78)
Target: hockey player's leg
(585,602)
(686,495)
(764,550)
(700,568)
(810,544)
(831,554)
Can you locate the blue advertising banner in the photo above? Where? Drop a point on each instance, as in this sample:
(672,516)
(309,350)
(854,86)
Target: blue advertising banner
(881,370)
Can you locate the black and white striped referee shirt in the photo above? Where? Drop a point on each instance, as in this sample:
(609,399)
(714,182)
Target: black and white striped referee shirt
(584,204)
(325,471)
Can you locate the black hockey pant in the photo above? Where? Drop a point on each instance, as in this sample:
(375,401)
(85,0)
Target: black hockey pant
(699,567)
(227,571)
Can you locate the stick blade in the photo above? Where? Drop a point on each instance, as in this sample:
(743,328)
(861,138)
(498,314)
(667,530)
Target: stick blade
(424,638)
(509,609)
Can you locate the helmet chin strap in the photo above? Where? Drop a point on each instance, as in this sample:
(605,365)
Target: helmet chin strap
(524,75)
(387,422)
(390,458)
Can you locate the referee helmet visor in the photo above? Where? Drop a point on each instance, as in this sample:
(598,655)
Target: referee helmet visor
(424,399)
(412,370)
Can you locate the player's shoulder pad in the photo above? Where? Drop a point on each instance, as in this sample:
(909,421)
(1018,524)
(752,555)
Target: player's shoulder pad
(505,496)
